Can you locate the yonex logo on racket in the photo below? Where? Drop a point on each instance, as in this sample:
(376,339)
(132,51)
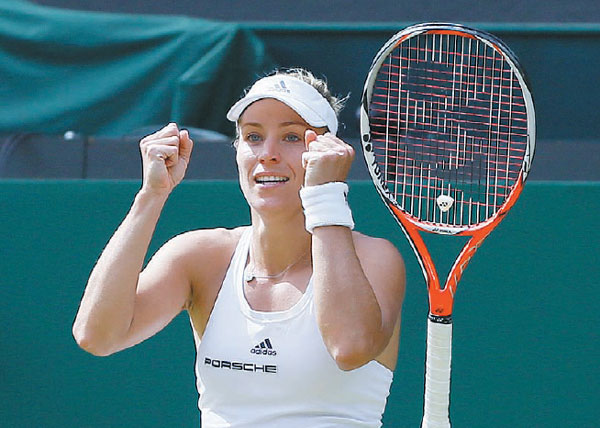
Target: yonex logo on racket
(379,174)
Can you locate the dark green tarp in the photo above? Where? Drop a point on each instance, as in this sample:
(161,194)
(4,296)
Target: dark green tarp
(135,70)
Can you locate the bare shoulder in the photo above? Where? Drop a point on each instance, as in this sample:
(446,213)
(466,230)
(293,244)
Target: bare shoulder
(206,239)
(370,248)
(204,256)
(381,261)
(194,263)
(204,248)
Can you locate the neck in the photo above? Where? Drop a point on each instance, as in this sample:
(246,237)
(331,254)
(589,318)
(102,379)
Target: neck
(276,246)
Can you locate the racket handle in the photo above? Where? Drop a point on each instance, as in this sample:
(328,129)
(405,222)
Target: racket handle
(436,406)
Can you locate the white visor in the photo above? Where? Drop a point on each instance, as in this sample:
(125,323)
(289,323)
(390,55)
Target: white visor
(296,94)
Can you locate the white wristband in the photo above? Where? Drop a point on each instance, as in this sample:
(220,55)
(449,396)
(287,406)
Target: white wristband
(326,205)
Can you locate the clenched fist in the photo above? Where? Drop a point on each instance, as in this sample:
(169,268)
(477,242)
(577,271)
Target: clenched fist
(165,157)
(327,158)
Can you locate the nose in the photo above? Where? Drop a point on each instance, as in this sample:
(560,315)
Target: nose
(269,151)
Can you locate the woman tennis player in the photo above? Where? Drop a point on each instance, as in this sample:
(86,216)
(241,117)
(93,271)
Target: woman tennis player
(296,318)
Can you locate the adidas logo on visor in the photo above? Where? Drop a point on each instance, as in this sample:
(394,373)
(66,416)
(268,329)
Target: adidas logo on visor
(264,348)
(280,87)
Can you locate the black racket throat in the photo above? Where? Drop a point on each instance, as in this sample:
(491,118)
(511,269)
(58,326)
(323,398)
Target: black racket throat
(445,319)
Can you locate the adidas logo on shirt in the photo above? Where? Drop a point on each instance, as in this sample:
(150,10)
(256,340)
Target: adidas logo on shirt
(264,348)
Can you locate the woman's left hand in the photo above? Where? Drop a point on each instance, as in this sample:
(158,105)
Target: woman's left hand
(327,158)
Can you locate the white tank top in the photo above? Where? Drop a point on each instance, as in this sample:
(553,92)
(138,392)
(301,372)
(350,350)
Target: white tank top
(272,370)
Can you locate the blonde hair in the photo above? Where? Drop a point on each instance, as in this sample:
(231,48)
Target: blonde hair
(336,103)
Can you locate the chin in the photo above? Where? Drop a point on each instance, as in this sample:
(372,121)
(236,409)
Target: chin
(273,206)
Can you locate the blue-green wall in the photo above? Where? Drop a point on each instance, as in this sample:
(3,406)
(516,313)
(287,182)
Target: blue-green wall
(525,324)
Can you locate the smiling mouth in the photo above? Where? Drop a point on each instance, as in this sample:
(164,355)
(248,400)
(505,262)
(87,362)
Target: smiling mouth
(267,179)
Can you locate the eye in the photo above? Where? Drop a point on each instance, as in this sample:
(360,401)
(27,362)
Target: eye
(253,137)
(292,138)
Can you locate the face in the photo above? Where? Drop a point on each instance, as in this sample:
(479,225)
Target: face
(269,155)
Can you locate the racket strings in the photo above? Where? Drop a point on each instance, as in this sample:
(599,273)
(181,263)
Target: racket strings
(432,84)
(434,113)
(449,128)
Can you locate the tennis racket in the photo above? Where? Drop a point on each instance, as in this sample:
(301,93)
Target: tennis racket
(448,133)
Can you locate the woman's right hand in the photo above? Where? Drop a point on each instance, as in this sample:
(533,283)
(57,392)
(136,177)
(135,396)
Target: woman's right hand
(165,157)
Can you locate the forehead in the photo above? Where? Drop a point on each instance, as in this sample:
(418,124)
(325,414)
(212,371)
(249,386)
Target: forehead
(268,111)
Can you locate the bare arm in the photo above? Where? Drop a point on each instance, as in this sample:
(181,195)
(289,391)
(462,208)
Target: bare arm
(358,293)
(359,281)
(119,308)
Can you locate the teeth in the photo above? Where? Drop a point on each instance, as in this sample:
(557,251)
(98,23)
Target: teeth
(270,179)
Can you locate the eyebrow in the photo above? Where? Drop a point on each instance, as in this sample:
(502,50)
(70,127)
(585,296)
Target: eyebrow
(293,123)
(281,125)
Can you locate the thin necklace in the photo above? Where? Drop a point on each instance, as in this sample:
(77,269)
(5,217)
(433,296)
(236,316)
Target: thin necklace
(249,274)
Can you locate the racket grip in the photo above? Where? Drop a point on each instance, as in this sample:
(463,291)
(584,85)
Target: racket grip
(436,405)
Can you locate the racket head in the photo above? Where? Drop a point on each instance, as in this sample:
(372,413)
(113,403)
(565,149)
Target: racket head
(447,127)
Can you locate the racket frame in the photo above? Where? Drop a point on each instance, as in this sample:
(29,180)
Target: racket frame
(441,299)
(439,339)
